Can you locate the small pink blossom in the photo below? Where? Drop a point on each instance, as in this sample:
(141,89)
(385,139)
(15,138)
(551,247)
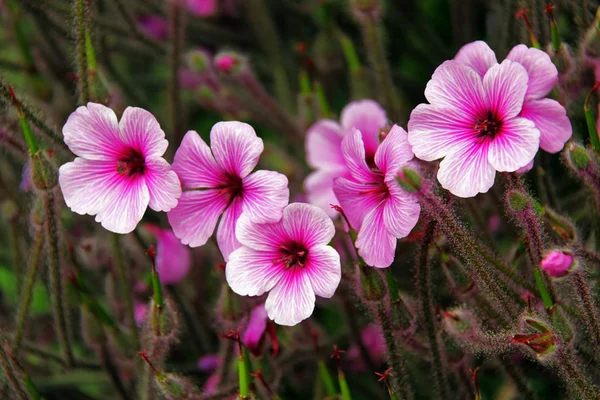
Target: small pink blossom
(154,26)
(290,259)
(557,263)
(373,340)
(209,362)
(201,8)
(225,63)
(219,182)
(173,259)
(324,149)
(257,326)
(119,170)
(140,312)
(484,117)
(372,199)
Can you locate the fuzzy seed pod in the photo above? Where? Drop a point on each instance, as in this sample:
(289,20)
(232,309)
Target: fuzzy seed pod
(44,174)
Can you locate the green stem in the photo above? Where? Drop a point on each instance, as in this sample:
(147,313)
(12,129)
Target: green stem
(125,291)
(80,43)
(17,257)
(424,287)
(344,388)
(10,374)
(56,281)
(322,100)
(26,294)
(244,377)
(330,388)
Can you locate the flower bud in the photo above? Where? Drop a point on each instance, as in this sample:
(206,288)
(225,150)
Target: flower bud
(560,225)
(520,201)
(409,180)
(253,337)
(43,174)
(543,342)
(577,157)
(557,263)
(174,386)
(198,61)
(230,63)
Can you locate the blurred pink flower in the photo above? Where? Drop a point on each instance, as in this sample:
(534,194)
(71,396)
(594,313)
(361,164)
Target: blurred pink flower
(372,338)
(220,182)
(375,204)
(211,384)
(257,326)
(209,362)
(201,8)
(119,170)
(140,312)
(154,26)
(324,149)
(225,63)
(289,258)
(173,259)
(26,181)
(557,263)
(485,117)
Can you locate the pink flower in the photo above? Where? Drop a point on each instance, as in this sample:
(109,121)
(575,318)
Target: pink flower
(154,26)
(375,204)
(119,170)
(372,337)
(557,263)
(201,8)
(485,117)
(220,182)
(140,312)
(257,326)
(173,259)
(225,63)
(289,258)
(209,362)
(324,149)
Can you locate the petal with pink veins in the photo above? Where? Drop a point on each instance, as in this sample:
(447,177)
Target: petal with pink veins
(236,147)
(324,144)
(252,272)
(543,75)
(226,232)
(194,218)
(257,325)
(514,146)
(319,189)
(400,211)
(467,171)
(265,194)
(163,184)
(436,131)
(550,118)
(477,55)
(307,224)
(356,199)
(324,270)
(505,85)
(455,85)
(376,245)
(195,164)
(394,151)
(140,130)
(353,149)
(262,237)
(369,118)
(292,300)
(126,202)
(92,132)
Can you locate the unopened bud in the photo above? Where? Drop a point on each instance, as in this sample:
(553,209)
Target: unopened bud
(409,180)
(560,225)
(198,61)
(230,63)
(174,386)
(543,342)
(521,201)
(577,157)
(373,287)
(43,173)
(10,211)
(558,264)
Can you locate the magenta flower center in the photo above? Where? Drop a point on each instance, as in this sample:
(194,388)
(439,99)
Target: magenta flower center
(293,255)
(489,127)
(131,164)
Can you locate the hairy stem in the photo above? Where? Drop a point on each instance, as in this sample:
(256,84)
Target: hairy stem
(26,294)
(588,309)
(425,297)
(56,281)
(82,61)
(176,30)
(10,374)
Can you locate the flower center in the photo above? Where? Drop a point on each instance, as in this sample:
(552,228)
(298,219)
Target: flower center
(132,163)
(488,127)
(294,255)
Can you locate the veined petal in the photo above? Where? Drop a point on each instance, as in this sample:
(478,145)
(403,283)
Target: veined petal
(467,171)
(505,86)
(195,164)
(252,272)
(236,147)
(550,118)
(261,237)
(141,131)
(376,245)
(265,194)
(435,131)
(126,203)
(356,199)
(324,270)
(194,218)
(324,144)
(369,118)
(319,189)
(163,184)
(514,146)
(394,151)
(307,224)
(257,324)
(354,154)
(292,300)
(477,55)
(455,85)
(92,132)
(543,75)
(226,233)
(400,211)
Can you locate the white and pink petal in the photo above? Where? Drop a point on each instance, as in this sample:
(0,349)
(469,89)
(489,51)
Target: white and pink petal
(514,146)
(324,270)
(226,238)
(376,245)
(195,164)
(324,144)
(252,272)
(505,86)
(235,147)
(265,194)
(307,224)
(140,130)
(542,73)
(369,118)
(394,151)
(478,56)
(292,300)
(550,118)
(163,184)
(127,200)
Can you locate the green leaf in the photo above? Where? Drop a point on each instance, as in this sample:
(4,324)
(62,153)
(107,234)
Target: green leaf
(8,288)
